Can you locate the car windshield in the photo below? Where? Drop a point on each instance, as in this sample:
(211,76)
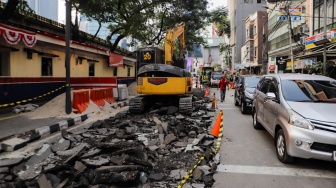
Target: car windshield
(309,90)
(216,76)
(251,81)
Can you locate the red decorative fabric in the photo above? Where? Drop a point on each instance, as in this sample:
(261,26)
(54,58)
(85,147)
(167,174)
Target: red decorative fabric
(13,36)
(116,60)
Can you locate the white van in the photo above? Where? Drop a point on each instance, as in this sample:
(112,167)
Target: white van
(215,77)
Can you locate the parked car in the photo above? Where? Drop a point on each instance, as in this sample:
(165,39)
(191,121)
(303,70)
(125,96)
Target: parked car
(215,77)
(298,110)
(244,90)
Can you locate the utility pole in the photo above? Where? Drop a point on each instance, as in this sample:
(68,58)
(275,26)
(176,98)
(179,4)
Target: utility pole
(68,107)
(325,36)
(290,34)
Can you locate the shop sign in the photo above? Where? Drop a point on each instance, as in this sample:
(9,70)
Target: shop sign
(310,40)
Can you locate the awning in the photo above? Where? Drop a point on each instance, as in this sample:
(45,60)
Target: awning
(7,48)
(115,60)
(40,52)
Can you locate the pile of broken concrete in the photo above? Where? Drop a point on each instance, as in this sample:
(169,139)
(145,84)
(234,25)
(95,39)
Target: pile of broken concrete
(148,150)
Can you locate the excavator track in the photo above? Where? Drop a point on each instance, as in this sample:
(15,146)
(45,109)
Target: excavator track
(136,105)
(185,105)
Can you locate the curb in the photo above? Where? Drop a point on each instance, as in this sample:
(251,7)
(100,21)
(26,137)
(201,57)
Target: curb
(15,142)
(19,141)
(120,104)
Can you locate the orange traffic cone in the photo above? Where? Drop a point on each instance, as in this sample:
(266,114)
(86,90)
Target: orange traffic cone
(216,127)
(206,92)
(213,104)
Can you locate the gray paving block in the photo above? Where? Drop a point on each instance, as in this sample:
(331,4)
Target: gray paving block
(13,144)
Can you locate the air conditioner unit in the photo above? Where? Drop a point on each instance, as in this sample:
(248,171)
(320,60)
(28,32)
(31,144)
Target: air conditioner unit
(303,40)
(304,28)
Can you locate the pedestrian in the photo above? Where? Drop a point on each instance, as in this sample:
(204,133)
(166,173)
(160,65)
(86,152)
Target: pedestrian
(223,84)
(231,82)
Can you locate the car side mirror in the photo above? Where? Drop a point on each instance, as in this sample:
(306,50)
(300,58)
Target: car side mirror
(270,96)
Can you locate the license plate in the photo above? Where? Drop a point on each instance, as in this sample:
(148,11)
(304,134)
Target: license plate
(334,155)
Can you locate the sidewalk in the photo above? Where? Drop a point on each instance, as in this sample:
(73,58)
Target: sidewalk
(16,130)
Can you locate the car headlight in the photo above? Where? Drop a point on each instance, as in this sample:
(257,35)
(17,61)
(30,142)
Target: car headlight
(299,121)
(248,95)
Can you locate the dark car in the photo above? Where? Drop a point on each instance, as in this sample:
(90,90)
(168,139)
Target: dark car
(244,91)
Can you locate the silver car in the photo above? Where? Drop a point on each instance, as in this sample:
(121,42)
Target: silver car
(299,111)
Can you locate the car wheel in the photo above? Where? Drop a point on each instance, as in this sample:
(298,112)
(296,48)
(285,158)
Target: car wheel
(256,123)
(281,148)
(243,107)
(235,100)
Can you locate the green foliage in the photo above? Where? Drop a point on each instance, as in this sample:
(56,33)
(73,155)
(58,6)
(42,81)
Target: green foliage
(219,16)
(147,20)
(217,66)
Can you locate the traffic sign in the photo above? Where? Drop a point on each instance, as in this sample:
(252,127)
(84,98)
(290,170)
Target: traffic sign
(293,18)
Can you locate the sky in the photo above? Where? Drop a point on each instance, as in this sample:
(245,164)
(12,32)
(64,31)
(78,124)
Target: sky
(217,3)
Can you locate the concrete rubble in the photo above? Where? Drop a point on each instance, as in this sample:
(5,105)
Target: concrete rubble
(145,150)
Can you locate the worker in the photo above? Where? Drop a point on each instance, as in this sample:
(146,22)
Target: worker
(223,84)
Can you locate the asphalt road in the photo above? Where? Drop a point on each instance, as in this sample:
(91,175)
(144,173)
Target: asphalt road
(248,157)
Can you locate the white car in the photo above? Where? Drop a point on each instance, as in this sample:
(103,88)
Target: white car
(214,79)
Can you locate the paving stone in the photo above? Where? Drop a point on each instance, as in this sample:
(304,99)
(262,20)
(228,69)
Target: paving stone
(153,148)
(61,145)
(41,155)
(169,138)
(44,182)
(198,185)
(178,174)
(4,170)
(181,144)
(13,144)
(80,167)
(97,161)
(156,176)
(10,162)
(102,130)
(29,174)
(197,174)
(54,180)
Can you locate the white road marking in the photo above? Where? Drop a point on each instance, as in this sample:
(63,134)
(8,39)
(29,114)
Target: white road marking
(278,171)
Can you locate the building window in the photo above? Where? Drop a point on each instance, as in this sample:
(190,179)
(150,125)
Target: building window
(248,1)
(91,68)
(128,71)
(247,32)
(254,30)
(46,69)
(115,71)
(255,51)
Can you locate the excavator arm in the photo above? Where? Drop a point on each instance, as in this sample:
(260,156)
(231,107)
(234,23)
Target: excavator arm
(169,44)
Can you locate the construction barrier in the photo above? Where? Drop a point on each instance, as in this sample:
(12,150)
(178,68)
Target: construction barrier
(108,95)
(97,96)
(80,101)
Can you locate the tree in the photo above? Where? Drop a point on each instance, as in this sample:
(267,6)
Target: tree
(144,20)
(219,16)
(147,20)
(14,6)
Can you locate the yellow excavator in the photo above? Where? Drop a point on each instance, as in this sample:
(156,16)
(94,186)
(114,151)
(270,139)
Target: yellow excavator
(162,78)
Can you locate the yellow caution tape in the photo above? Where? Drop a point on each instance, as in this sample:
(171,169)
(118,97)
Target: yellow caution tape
(23,101)
(217,146)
